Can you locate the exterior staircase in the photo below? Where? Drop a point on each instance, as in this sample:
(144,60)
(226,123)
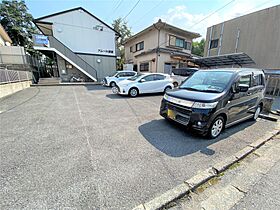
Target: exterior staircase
(67,54)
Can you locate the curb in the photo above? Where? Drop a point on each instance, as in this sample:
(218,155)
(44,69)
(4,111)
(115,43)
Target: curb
(200,178)
(67,84)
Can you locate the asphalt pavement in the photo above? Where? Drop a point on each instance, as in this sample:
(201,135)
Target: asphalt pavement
(86,148)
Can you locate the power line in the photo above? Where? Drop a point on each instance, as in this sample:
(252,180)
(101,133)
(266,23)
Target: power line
(115,9)
(141,19)
(118,5)
(258,6)
(212,13)
(205,18)
(132,9)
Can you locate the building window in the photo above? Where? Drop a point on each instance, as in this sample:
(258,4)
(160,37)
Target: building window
(139,46)
(214,43)
(188,45)
(177,42)
(131,49)
(144,67)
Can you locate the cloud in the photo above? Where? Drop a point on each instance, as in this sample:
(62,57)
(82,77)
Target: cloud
(182,17)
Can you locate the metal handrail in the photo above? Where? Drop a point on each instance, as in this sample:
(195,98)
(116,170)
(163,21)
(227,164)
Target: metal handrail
(55,43)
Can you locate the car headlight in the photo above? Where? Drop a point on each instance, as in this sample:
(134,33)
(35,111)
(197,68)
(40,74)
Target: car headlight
(165,96)
(199,105)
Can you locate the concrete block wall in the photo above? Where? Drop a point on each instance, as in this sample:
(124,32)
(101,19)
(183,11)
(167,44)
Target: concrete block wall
(10,88)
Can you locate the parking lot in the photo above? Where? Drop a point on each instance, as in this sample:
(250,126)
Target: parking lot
(86,148)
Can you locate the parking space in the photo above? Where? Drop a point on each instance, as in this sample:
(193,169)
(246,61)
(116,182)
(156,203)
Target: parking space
(84,147)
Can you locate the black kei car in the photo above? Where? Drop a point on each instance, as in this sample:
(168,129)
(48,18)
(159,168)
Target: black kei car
(211,100)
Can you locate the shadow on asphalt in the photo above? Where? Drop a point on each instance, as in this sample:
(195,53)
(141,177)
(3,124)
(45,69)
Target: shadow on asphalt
(96,87)
(117,96)
(176,140)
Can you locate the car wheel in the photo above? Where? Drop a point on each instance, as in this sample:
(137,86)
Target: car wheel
(133,92)
(257,112)
(167,88)
(216,127)
(112,84)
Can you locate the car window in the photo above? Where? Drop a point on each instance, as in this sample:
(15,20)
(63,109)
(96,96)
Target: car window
(149,78)
(121,74)
(208,81)
(244,80)
(159,77)
(257,80)
(130,74)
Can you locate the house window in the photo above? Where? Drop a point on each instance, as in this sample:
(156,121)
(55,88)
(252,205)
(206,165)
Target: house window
(131,49)
(214,43)
(176,42)
(144,67)
(188,45)
(140,46)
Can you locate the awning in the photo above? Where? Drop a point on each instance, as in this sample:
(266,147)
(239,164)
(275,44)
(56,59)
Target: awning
(224,60)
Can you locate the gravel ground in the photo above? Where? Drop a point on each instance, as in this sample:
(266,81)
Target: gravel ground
(85,148)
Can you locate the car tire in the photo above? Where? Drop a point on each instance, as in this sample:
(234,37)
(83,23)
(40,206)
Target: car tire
(133,92)
(175,84)
(216,127)
(112,84)
(167,88)
(257,113)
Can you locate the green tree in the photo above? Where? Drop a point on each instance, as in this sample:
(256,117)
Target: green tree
(16,20)
(124,30)
(198,47)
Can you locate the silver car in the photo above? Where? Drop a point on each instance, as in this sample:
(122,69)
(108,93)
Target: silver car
(179,75)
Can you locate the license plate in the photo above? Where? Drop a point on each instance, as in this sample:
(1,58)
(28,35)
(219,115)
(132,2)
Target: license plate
(170,114)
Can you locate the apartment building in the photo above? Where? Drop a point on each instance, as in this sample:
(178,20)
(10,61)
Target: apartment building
(159,48)
(81,44)
(256,34)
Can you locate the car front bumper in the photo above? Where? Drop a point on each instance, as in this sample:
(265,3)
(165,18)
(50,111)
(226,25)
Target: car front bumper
(198,119)
(121,90)
(105,82)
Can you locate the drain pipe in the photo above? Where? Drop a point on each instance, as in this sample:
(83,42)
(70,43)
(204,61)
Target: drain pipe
(157,50)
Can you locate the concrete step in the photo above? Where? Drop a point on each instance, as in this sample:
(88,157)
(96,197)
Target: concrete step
(49,81)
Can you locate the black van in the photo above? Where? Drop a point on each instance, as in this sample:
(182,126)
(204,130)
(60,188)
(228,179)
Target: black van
(211,100)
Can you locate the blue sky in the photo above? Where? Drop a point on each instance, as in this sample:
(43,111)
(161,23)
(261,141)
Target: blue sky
(182,13)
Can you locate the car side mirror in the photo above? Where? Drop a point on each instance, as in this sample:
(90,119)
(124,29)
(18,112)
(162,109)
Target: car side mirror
(117,76)
(142,80)
(242,88)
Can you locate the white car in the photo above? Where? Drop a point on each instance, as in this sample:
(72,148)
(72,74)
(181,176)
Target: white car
(111,81)
(144,83)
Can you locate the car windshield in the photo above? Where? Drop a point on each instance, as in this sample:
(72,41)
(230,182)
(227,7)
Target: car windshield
(135,77)
(208,81)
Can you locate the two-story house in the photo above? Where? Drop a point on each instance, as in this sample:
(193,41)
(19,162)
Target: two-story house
(79,42)
(159,48)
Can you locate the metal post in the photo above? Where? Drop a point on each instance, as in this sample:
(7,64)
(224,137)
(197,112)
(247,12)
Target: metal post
(209,44)
(221,38)
(237,40)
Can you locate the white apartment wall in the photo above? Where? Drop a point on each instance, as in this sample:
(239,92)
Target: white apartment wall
(75,29)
